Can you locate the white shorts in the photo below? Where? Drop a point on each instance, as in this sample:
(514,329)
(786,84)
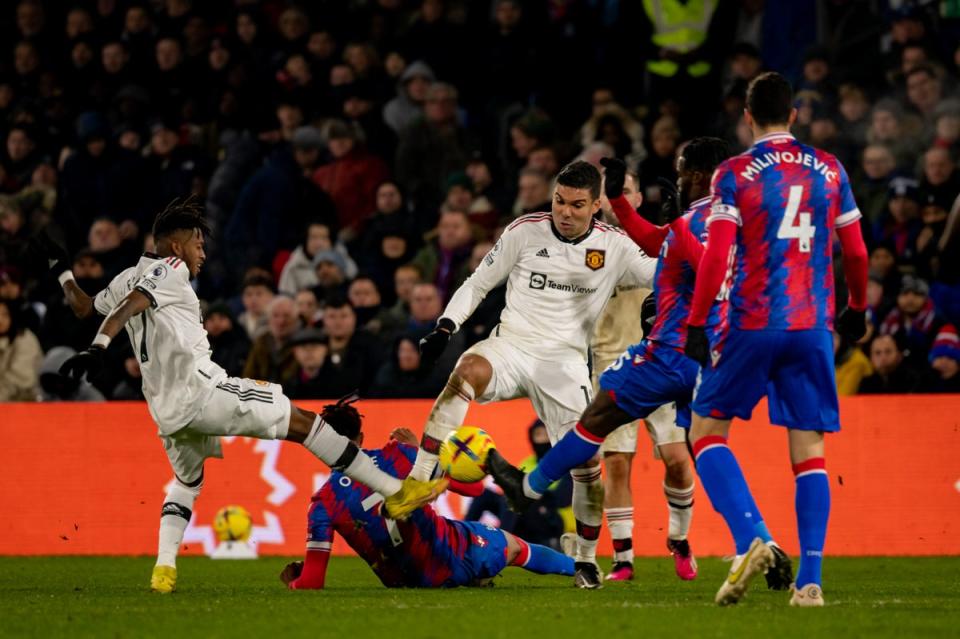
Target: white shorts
(559,390)
(235,406)
(661,424)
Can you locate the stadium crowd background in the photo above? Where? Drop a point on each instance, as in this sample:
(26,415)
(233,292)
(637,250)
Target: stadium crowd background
(357,160)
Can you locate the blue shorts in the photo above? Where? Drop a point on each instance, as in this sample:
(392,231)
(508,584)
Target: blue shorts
(486,554)
(794,369)
(649,375)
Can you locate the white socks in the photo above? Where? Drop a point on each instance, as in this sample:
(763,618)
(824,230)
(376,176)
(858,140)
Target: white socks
(588,511)
(620,523)
(339,453)
(174,517)
(680,503)
(446,416)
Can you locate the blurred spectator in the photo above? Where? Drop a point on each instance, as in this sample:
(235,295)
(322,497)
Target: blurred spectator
(899,224)
(229,343)
(533,193)
(914,318)
(309,379)
(271,358)
(487,314)
(299,272)
(308,308)
(354,356)
(444,260)
(664,139)
(941,180)
(130,386)
(365,299)
(945,361)
(892,373)
(870,188)
(20,358)
(403,375)
(924,90)
(852,366)
(331,268)
(257,293)
(407,106)
(889,126)
(613,124)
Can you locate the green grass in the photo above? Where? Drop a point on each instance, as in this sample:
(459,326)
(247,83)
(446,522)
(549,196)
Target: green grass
(108,597)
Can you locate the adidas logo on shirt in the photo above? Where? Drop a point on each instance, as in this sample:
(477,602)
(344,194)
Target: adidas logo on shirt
(543,253)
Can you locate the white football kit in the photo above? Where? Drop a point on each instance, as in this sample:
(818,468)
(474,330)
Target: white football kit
(556,289)
(191,398)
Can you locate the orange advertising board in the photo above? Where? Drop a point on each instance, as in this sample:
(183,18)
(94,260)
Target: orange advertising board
(89,479)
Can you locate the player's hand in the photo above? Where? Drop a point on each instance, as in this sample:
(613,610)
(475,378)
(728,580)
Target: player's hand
(89,361)
(433,345)
(852,324)
(53,256)
(698,347)
(404,436)
(291,571)
(648,313)
(670,208)
(614,175)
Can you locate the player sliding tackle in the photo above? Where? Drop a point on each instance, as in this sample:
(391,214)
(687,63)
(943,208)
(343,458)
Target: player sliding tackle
(560,268)
(653,372)
(775,209)
(424,551)
(191,398)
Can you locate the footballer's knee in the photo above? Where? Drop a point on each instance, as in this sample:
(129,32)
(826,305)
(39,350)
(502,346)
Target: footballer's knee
(301,422)
(676,462)
(603,416)
(474,370)
(593,462)
(618,466)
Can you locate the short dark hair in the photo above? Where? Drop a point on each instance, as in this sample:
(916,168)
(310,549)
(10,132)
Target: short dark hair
(581,175)
(704,154)
(770,99)
(345,419)
(180,215)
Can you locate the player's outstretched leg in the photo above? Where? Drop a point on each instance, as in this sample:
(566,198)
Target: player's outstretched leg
(588,512)
(537,558)
(678,485)
(618,509)
(468,379)
(813,512)
(576,447)
(730,496)
(174,517)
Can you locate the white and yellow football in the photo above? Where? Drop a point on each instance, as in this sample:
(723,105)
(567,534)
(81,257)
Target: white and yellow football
(233,523)
(463,454)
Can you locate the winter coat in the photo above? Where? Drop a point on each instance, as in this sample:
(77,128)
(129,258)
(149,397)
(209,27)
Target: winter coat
(20,360)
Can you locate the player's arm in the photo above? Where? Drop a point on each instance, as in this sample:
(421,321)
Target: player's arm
(493,270)
(648,236)
(90,361)
(685,244)
(722,227)
(45,250)
(851,323)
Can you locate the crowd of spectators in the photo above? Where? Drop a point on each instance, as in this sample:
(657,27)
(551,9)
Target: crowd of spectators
(357,160)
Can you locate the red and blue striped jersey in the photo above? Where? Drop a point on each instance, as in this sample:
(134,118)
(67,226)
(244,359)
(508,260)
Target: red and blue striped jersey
(674,282)
(419,552)
(787,198)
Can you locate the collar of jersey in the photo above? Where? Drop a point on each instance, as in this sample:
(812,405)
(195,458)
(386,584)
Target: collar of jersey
(697,203)
(152,256)
(575,240)
(776,135)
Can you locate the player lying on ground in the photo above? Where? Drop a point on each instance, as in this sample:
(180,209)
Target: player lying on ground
(775,209)
(617,330)
(653,372)
(561,267)
(191,398)
(423,551)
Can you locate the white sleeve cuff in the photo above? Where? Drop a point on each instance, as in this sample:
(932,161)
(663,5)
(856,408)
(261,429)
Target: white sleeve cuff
(846,219)
(724,212)
(319,545)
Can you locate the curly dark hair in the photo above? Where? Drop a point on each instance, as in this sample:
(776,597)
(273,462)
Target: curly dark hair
(179,215)
(344,418)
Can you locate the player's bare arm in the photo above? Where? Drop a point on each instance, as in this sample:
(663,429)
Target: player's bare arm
(80,303)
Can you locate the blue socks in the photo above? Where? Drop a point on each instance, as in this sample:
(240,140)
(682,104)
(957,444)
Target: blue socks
(575,448)
(543,560)
(813,511)
(723,480)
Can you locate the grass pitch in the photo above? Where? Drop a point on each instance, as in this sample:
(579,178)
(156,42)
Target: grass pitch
(108,597)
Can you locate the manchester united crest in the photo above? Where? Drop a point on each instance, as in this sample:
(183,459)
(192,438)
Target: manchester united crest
(595,259)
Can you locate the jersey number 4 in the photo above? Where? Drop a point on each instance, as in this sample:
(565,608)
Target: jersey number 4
(796,224)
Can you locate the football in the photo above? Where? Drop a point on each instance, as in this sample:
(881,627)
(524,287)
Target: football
(463,454)
(233,523)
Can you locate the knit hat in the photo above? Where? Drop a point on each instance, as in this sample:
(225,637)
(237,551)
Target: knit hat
(946,344)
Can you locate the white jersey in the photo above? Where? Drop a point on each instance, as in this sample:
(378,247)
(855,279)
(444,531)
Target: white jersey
(556,288)
(168,339)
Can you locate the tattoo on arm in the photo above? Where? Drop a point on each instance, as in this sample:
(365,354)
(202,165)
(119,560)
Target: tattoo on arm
(133,304)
